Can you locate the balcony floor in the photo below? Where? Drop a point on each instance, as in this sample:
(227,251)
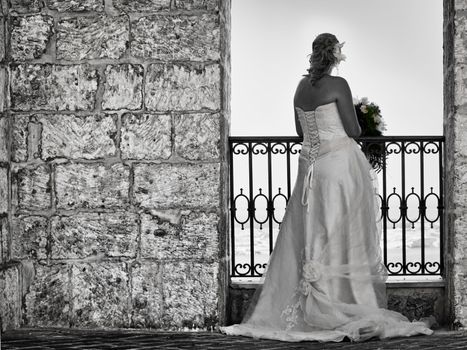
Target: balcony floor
(136,339)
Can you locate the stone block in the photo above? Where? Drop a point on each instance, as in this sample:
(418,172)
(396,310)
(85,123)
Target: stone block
(19,150)
(2,37)
(75,5)
(210,5)
(30,36)
(197,136)
(240,299)
(195,236)
(146,292)
(76,137)
(4,238)
(123,87)
(94,234)
(100,294)
(3,89)
(53,87)
(91,185)
(32,187)
(93,37)
(417,303)
(142,5)
(176,37)
(47,298)
(176,185)
(29,238)
(190,295)
(146,136)
(181,87)
(4,137)
(10,298)
(25,6)
(4,190)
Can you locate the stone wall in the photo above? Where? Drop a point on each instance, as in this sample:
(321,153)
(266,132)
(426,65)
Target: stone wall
(117,113)
(10,271)
(455,130)
(414,300)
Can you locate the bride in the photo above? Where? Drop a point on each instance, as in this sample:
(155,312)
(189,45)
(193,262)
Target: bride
(325,279)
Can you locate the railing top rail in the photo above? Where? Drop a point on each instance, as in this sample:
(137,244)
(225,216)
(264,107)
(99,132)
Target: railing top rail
(367,138)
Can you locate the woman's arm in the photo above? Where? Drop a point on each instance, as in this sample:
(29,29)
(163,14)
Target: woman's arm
(346,107)
(298,126)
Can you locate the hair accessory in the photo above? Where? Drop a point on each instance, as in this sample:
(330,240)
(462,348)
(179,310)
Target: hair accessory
(337,52)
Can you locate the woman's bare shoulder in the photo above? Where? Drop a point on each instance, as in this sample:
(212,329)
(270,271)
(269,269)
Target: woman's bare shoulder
(305,80)
(339,85)
(338,81)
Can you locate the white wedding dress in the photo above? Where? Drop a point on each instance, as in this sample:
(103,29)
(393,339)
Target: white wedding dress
(325,278)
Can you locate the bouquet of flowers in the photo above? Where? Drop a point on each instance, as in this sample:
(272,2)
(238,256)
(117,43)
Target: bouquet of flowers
(369,117)
(372,124)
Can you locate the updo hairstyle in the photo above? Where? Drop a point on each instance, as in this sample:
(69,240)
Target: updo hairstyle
(322,56)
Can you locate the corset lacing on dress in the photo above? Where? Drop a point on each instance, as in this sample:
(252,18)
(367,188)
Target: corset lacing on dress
(310,149)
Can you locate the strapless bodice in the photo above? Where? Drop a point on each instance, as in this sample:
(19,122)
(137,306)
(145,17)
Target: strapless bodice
(325,119)
(323,132)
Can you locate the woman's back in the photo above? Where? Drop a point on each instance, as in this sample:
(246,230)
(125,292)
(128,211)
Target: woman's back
(310,95)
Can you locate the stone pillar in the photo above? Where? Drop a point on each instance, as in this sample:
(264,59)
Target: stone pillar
(119,117)
(10,294)
(455,131)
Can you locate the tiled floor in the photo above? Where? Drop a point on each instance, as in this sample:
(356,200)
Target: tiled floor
(134,339)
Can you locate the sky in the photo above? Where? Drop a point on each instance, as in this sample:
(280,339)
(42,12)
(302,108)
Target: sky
(394,52)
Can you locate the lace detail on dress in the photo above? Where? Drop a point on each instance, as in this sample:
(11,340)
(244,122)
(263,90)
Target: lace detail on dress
(310,148)
(312,271)
(290,315)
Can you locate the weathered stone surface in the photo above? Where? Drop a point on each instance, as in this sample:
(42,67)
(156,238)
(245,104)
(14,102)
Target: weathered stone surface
(4,238)
(51,87)
(123,87)
(26,143)
(29,36)
(94,234)
(190,294)
(3,190)
(142,5)
(92,37)
(193,237)
(10,298)
(197,136)
(240,299)
(29,237)
(2,38)
(76,137)
(182,87)
(176,185)
(91,185)
(147,301)
(414,306)
(19,151)
(177,37)
(34,139)
(197,4)
(4,137)
(76,5)
(455,108)
(3,91)
(100,295)
(25,6)
(33,187)
(47,300)
(146,136)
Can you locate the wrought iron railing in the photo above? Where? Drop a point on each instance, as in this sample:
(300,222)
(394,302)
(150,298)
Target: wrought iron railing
(262,171)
